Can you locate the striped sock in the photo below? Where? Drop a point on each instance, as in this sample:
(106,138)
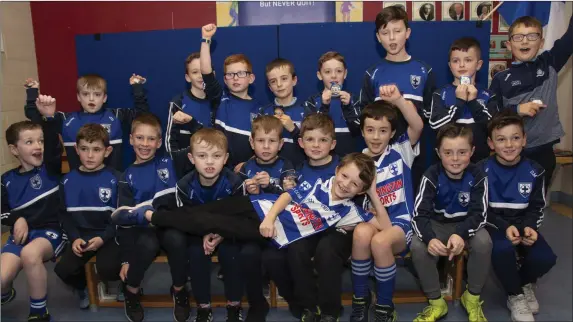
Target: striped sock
(360,272)
(385,283)
(38,306)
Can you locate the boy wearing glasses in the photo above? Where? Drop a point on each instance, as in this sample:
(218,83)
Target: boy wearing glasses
(236,108)
(529,87)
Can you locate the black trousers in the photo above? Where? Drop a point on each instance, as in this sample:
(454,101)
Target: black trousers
(70,269)
(330,250)
(176,243)
(232,218)
(545,156)
(275,262)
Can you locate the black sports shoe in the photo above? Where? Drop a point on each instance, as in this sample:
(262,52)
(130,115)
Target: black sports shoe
(328,318)
(234,313)
(204,315)
(295,310)
(132,305)
(384,313)
(46,317)
(258,312)
(10,298)
(181,308)
(360,308)
(309,316)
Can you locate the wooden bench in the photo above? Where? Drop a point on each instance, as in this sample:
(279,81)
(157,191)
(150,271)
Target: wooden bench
(165,300)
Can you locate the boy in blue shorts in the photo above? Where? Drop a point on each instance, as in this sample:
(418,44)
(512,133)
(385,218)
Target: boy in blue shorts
(515,213)
(334,101)
(413,78)
(393,158)
(92,95)
(30,203)
(463,101)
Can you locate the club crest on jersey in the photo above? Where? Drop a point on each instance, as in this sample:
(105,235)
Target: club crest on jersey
(104,194)
(305,185)
(415,80)
(524,189)
(51,234)
(107,127)
(540,72)
(463,198)
(36,182)
(163,174)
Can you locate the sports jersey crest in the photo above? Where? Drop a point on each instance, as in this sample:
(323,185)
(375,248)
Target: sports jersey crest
(36,182)
(51,234)
(524,189)
(463,198)
(104,194)
(107,127)
(305,185)
(415,80)
(163,174)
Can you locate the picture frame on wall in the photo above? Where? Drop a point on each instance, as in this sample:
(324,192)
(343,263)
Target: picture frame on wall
(453,11)
(402,4)
(495,66)
(498,47)
(424,11)
(502,25)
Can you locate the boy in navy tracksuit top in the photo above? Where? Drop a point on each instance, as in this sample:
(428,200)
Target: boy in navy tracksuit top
(515,213)
(413,78)
(190,110)
(529,87)
(92,95)
(286,107)
(340,105)
(463,101)
(449,212)
(30,203)
(88,197)
(151,180)
(236,108)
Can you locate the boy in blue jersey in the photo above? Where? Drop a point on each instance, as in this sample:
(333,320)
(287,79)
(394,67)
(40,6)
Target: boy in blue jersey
(88,197)
(449,212)
(515,213)
(30,203)
(339,104)
(189,111)
(318,140)
(151,180)
(286,107)
(529,87)
(393,158)
(92,95)
(413,78)
(235,109)
(463,101)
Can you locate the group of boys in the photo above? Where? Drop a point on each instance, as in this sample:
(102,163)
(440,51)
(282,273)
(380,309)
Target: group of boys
(279,190)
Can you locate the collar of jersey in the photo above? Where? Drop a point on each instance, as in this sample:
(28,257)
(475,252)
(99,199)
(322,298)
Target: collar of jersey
(289,104)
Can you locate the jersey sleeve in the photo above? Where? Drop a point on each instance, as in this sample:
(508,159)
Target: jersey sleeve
(482,112)
(9,217)
(405,149)
(563,48)
(367,92)
(429,89)
(354,215)
(297,194)
(52,147)
(140,106)
(181,163)
(351,113)
(476,216)
(66,219)
(534,211)
(213,88)
(424,209)
(125,192)
(441,114)
(172,136)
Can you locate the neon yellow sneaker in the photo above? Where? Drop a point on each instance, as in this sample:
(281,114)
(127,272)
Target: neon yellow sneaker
(433,312)
(472,305)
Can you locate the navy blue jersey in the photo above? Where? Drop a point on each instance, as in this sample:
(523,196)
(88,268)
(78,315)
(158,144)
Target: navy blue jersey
(296,111)
(516,193)
(234,116)
(536,80)
(88,199)
(177,136)
(191,192)
(111,119)
(308,174)
(33,195)
(346,121)
(413,78)
(447,108)
(440,198)
(277,170)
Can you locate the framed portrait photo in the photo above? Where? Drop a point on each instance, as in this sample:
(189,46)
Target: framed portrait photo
(453,11)
(402,4)
(495,66)
(424,11)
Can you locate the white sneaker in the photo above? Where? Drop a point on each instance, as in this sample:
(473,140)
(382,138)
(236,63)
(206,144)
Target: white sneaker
(520,311)
(528,292)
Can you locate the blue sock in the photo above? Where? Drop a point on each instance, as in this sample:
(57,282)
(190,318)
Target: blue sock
(385,283)
(360,272)
(38,306)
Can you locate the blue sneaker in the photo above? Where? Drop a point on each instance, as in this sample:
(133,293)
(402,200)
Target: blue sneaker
(131,217)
